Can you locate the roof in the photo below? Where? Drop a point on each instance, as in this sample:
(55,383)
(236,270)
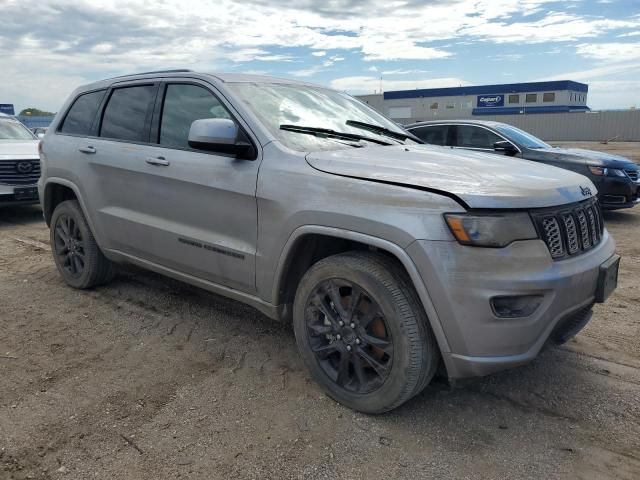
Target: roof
(222,77)
(489,89)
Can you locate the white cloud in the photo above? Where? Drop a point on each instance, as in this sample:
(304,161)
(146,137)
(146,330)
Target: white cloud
(603,71)
(630,34)
(607,94)
(366,84)
(91,39)
(556,27)
(253,54)
(610,52)
(399,71)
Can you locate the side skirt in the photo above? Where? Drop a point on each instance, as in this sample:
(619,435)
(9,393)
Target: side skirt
(270,310)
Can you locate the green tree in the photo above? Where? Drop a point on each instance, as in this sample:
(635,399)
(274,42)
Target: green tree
(36,112)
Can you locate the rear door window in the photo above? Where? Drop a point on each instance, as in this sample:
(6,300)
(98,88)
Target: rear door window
(128,113)
(434,135)
(470,136)
(183,104)
(82,113)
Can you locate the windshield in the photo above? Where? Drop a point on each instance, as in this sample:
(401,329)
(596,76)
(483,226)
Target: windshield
(521,137)
(314,107)
(14,130)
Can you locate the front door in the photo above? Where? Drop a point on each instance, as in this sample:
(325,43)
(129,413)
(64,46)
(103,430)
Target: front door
(160,200)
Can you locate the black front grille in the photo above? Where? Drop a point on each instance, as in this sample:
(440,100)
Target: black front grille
(19,172)
(571,229)
(633,174)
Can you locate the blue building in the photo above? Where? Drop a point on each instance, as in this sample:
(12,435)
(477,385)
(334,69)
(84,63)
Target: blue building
(462,102)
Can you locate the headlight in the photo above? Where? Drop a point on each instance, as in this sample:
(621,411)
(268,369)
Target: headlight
(603,171)
(490,230)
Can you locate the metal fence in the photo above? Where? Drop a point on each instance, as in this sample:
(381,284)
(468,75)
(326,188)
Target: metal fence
(592,126)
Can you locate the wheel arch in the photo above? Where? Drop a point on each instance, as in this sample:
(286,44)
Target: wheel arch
(301,251)
(57,190)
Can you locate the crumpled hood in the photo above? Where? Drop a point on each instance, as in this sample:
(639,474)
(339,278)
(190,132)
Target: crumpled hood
(480,180)
(591,157)
(15,150)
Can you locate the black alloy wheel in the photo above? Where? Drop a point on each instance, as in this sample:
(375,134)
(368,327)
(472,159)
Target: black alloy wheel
(77,256)
(69,245)
(349,336)
(362,332)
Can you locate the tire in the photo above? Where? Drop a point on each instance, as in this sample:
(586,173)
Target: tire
(404,353)
(75,251)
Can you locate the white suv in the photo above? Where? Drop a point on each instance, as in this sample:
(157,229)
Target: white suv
(19,162)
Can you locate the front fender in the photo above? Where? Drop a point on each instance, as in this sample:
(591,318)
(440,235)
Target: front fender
(399,253)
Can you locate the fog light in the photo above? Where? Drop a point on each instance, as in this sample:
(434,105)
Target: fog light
(516,306)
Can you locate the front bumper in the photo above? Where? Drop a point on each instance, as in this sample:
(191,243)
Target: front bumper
(7,196)
(616,192)
(461,281)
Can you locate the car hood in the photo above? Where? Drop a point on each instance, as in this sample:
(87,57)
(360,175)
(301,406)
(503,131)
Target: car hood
(15,150)
(479,180)
(588,157)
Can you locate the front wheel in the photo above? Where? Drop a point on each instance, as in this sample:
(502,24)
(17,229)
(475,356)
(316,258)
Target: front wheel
(362,331)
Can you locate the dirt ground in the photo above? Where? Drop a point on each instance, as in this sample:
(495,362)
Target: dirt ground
(149,378)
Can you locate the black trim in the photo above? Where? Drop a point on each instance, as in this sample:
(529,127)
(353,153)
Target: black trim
(210,247)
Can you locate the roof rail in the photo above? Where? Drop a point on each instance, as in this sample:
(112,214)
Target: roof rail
(177,70)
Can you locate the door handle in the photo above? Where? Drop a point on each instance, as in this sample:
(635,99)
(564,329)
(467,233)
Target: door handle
(157,161)
(88,149)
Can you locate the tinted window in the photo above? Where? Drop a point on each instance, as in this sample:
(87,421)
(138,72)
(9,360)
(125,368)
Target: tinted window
(514,98)
(548,97)
(531,97)
(521,137)
(475,137)
(436,135)
(126,113)
(80,117)
(182,105)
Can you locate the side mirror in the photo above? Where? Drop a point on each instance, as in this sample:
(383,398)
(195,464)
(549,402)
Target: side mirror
(221,135)
(40,134)
(507,147)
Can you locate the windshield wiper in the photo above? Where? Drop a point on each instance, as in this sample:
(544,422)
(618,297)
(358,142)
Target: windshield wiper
(328,133)
(383,131)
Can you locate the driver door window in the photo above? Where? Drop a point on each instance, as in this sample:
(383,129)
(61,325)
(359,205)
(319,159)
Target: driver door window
(469,136)
(183,104)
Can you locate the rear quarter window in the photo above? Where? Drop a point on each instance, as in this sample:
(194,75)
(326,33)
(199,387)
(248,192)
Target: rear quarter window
(80,117)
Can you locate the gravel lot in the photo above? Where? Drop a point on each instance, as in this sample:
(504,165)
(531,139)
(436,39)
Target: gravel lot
(150,378)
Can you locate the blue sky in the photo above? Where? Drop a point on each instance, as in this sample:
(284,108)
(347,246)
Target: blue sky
(351,45)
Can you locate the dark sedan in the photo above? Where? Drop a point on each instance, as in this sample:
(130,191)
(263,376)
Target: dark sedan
(616,178)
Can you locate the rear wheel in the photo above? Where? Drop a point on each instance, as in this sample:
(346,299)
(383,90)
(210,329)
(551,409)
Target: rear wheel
(75,251)
(362,332)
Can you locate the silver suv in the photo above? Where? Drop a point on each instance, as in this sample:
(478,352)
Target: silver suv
(390,257)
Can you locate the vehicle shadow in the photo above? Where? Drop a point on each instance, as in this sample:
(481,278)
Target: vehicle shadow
(20,215)
(621,217)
